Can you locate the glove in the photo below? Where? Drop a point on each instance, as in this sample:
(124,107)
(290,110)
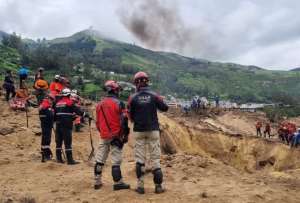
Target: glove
(126,135)
(87,115)
(125,139)
(117,142)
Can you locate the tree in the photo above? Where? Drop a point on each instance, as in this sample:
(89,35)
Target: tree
(13,41)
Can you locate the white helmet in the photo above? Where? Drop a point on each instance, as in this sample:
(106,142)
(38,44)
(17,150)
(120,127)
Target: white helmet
(56,77)
(74,93)
(66,92)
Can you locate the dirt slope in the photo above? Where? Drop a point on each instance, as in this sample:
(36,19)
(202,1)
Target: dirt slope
(202,170)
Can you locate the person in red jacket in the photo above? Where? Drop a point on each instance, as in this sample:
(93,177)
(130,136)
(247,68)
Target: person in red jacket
(258,128)
(46,113)
(56,86)
(112,123)
(267,130)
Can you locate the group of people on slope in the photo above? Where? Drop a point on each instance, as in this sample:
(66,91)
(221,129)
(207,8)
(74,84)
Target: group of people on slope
(267,130)
(287,132)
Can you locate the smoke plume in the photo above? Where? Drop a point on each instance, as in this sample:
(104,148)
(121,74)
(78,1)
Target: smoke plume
(158,25)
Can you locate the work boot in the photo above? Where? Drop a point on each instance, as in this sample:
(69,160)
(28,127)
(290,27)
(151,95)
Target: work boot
(121,186)
(48,154)
(43,156)
(98,182)
(140,190)
(98,175)
(59,157)
(70,159)
(159,189)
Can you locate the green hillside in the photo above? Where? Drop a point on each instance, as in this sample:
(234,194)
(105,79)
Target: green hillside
(94,56)
(9,58)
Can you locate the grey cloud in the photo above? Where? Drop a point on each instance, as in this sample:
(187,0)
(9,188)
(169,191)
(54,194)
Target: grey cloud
(249,32)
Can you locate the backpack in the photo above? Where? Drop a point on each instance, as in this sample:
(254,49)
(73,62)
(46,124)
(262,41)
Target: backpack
(23,71)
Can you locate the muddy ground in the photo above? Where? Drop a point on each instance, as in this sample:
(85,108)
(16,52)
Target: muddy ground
(214,162)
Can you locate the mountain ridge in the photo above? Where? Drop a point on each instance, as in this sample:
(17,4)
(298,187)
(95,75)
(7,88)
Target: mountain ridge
(170,73)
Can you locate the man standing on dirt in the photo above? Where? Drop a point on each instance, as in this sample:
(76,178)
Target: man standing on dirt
(65,109)
(41,87)
(23,74)
(267,130)
(9,86)
(46,113)
(258,127)
(112,123)
(142,109)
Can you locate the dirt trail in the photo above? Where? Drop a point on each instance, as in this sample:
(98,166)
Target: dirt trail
(202,170)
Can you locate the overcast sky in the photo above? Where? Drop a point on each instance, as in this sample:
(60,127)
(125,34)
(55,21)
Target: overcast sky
(265,33)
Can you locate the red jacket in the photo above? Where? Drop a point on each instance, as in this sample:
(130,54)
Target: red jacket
(109,124)
(55,88)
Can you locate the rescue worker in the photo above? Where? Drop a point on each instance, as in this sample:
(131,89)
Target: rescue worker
(46,113)
(9,86)
(39,74)
(112,123)
(56,86)
(142,109)
(41,86)
(267,130)
(296,139)
(65,109)
(258,127)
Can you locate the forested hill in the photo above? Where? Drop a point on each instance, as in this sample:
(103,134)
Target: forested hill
(93,56)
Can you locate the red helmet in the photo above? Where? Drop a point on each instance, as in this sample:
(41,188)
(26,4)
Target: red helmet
(111,85)
(139,76)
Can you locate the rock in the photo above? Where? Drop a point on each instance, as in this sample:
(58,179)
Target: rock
(8,200)
(6,131)
(203,164)
(204,195)
(5,115)
(184,178)
(169,165)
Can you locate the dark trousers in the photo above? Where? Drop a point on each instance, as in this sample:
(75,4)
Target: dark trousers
(22,80)
(267,132)
(10,91)
(63,135)
(46,136)
(258,132)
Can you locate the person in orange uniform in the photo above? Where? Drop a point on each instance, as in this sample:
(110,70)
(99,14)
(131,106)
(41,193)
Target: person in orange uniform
(267,130)
(56,86)
(41,86)
(258,127)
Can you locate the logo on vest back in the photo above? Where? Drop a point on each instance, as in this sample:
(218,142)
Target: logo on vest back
(144,99)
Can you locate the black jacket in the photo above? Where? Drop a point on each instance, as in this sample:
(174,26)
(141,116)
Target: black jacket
(65,111)
(142,108)
(8,82)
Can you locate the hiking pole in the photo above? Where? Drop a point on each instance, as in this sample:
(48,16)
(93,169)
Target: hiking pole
(92,154)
